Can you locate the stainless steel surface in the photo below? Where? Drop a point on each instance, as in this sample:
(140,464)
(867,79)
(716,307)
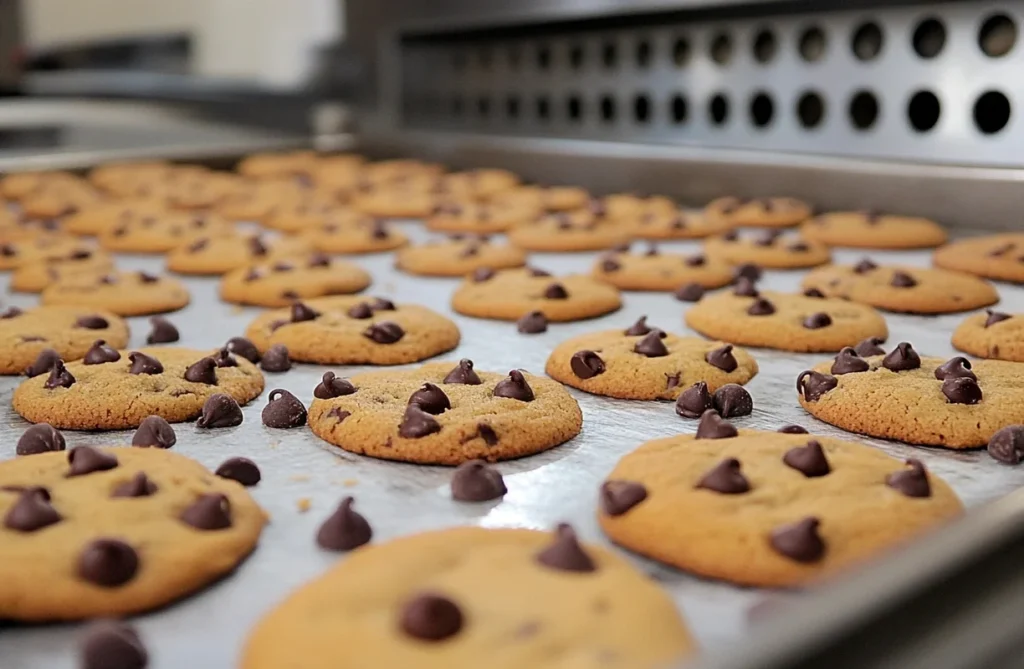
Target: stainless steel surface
(10,44)
(208,629)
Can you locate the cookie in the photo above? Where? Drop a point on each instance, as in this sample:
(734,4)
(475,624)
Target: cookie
(312,211)
(771,248)
(992,334)
(280,282)
(273,165)
(470,597)
(903,396)
(101,218)
(399,170)
(216,255)
(997,257)
(70,331)
(338,173)
(479,184)
(354,331)
(197,193)
(873,230)
(458,256)
(445,413)
(160,233)
(34,277)
(510,294)
(551,199)
(482,217)
(16,227)
(645,363)
(367,235)
(400,199)
(166,381)
(677,224)
(123,293)
(14,254)
(154,181)
(766,508)
(629,206)
(784,321)
(575,231)
(115,531)
(110,176)
(766,212)
(258,200)
(57,200)
(909,290)
(19,185)
(652,270)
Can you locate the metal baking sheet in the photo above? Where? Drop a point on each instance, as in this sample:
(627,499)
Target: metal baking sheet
(208,629)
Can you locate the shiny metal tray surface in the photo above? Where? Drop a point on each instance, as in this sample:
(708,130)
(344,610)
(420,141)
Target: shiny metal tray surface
(208,629)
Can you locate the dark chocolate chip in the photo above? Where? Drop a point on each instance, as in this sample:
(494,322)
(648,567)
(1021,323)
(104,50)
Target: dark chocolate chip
(344,529)
(380,304)
(252,274)
(725,478)
(869,347)
(146,277)
(694,401)
(163,331)
(610,265)
(108,562)
(144,364)
(332,386)
(339,413)
(463,373)
(848,362)
(748,271)
(532,323)
(242,470)
(40,438)
(10,312)
(431,399)
(792,429)
(476,481)
(698,260)
(864,266)
(995,317)
(243,347)
(911,482)
(257,247)
(300,313)
(99,353)
(282,266)
(732,400)
(722,358)
(211,511)
(586,364)
(639,328)
(813,384)
(276,324)
(487,433)
(690,292)
(902,280)
(768,238)
(731,236)
(955,368)
(110,644)
(799,541)
(88,460)
(220,410)
(482,274)
(565,552)
(385,332)
(618,497)
(318,260)
(59,377)
(809,460)
(154,432)
(31,512)
(745,288)
(431,617)
(902,358)
(713,426)
(556,291)
(138,486)
(817,321)
(223,358)
(43,363)
(202,371)
(761,307)
(276,359)
(417,423)
(651,345)
(813,292)
(962,390)
(1007,444)
(798,247)
(360,311)
(534,271)
(92,323)
(514,387)
(283,410)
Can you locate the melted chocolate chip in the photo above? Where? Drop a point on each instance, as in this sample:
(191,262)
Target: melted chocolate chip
(99,353)
(112,645)
(108,563)
(59,377)
(220,410)
(902,280)
(431,399)
(144,364)
(476,481)
(202,371)
(848,362)
(276,359)
(301,312)
(995,317)
(385,332)
(761,307)
(651,345)
(586,364)
(725,478)
(618,497)
(955,368)
(792,429)
(344,529)
(911,482)
(869,347)
(799,541)
(902,358)
(88,460)
(482,274)
(732,400)
(514,387)
(332,386)
(962,390)
(40,438)
(639,328)
(712,426)
(360,311)
(243,347)
(463,373)
(809,460)
(565,553)
(283,410)
(154,432)
(722,358)
(694,401)
(431,617)
(138,486)
(209,512)
(817,321)
(417,423)
(1007,444)
(690,292)
(31,512)
(556,291)
(43,363)
(745,288)
(92,323)
(814,292)
(864,266)
(813,384)
(532,323)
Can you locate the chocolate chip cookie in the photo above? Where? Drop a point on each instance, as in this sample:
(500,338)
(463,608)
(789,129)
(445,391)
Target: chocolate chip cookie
(280,282)
(997,257)
(510,294)
(123,293)
(35,276)
(770,248)
(678,224)
(873,230)
(458,256)
(993,334)
(102,217)
(368,235)
(653,270)
(569,231)
(216,255)
(482,217)
(767,212)
(160,233)
(68,332)
(14,254)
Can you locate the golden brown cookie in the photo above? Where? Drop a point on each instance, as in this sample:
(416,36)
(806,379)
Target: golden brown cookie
(766,508)
(653,270)
(123,293)
(276,165)
(280,282)
(112,177)
(473,597)
(312,211)
(546,198)
(678,224)
(510,294)
(628,206)
(992,334)
(445,413)
(367,235)
(769,212)
(43,248)
(57,199)
(771,248)
(103,217)
(16,227)
(458,256)
(35,277)
(575,231)
(259,200)
(119,394)
(482,217)
(160,233)
(154,182)
(116,531)
(902,289)
(355,330)
(873,230)
(400,170)
(70,331)
(479,184)
(216,255)
(998,257)
(402,199)
(19,185)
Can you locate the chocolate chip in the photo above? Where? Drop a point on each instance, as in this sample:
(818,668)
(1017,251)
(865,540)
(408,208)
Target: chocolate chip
(955,368)
(586,364)
(482,274)
(252,274)
(1007,444)
(902,358)
(211,511)
(344,529)
(59,377)
(813,384)
(276,359)
(722,358)
(748,271)
(476,481)
(792,429)
(202,371)
(732,235)
(300,313)
(32,511)
(725,478)
(995,317)
(565,553)
(848,362)
(138,486)
(732,400)
(223,358)
(911,482)
(380,304)
(698,260)
(745,288)
(385,332)
(514,387)
(639,328)
(108,563)
(282,267)
(331,386)
(31,338)
(651,345)
(463,373)
(110,644)
(283,410)
(618,497)
(962,390)
(146,277)
(902,280)
(799,541)
(88,460)
(694,401)
(817,321)
(318,260)
(220,410)
(809,460)
(92,323)
(430,617)
(144,364)
(163,331)
(360,311)
(768,238)
(870,347)
(761,307)
(534,271)
(154,432)
(556,291)
(243,347)
(242,470)
(10,312)
(43,363)
(99,353)
(257,247)
(690,292)
(487,433)
(532,323)
(431,399)
(276,324)
(798,247)
(610,265)
(864,266)
(813,292)
(40,438)
(712,426)
(417,423)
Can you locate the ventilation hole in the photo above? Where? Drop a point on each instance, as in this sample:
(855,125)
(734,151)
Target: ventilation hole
(643,54)
(485,58)
(574,108)
(997,36)
(515,56)
(813,44)
(681,52)
(457,106)
(718,109)
(863,110)
(762,110)
(924,111)
(512,107)
(765,46)
(544,57)
(929,38)
(610,55)
(543,108)
(991,112)
(679,109)
(642,109)
(483,107)
(721,49)
(607,109)
(576,56)
(867,41)
(810,109)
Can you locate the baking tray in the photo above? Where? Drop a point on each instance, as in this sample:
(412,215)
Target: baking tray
(207,630)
